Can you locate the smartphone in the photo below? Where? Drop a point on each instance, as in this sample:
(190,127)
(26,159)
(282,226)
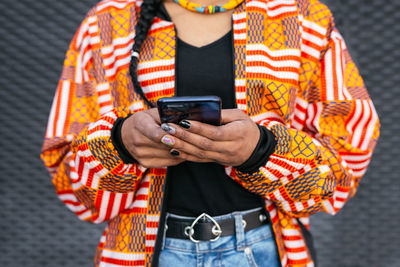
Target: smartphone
(205,109)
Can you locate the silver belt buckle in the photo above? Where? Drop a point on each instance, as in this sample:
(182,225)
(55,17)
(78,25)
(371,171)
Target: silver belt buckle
(216,229)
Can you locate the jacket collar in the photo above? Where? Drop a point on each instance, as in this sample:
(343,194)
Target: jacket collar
(156,69)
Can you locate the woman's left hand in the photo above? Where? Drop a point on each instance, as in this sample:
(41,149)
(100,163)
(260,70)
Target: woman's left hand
(230,144)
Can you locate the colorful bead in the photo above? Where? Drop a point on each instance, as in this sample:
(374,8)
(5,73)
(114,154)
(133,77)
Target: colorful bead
(208,9)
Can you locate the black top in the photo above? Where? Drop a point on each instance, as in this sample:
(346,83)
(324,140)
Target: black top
(206,70)
(194,188)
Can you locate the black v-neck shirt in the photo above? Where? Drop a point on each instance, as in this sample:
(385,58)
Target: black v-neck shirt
(206,70)
(194,188)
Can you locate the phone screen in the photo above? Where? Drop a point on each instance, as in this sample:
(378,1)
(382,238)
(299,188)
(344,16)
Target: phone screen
(203,109)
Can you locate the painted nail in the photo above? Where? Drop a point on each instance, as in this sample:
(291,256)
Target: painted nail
(169,141)
(184,124)
(168,128)
(174,152)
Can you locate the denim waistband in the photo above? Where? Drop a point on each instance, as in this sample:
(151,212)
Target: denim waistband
(240,240)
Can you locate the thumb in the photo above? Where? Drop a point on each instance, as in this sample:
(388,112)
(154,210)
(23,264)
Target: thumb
(153,112)
(230,115)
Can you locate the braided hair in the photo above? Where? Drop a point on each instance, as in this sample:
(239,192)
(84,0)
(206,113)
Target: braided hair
(148,11)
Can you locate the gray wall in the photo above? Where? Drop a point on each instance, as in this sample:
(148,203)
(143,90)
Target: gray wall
(37,230)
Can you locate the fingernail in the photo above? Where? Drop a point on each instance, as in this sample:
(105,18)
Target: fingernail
(168,128)
(184,124)
(169,141)
(174,152)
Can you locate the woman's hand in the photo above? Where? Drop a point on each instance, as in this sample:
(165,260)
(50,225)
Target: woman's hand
(141,134)
(230,144)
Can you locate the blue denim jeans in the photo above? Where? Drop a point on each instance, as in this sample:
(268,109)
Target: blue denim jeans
(253,248)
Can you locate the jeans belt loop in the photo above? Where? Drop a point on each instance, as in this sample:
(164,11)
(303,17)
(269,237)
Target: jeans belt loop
(165,231)
(240,224)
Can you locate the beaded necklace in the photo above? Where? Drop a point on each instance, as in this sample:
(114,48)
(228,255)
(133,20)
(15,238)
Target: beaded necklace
(231,4)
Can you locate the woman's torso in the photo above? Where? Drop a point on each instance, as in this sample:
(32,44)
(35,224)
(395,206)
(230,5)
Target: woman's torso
(204,68)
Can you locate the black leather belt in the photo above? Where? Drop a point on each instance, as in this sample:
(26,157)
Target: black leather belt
(205,228)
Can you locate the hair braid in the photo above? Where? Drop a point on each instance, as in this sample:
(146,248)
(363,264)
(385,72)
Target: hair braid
(148,11)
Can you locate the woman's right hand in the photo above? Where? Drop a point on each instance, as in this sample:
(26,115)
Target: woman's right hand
(141,135)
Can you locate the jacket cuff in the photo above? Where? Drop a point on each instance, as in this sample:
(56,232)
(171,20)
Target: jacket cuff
(116,139)
(264,149)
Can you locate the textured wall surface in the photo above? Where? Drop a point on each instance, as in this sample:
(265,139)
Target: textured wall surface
(37,230)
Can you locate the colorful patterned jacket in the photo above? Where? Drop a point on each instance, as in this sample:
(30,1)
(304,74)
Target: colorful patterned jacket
(293,74)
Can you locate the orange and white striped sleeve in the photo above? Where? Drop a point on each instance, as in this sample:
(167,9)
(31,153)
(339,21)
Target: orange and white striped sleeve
(321,157)
(86,170)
